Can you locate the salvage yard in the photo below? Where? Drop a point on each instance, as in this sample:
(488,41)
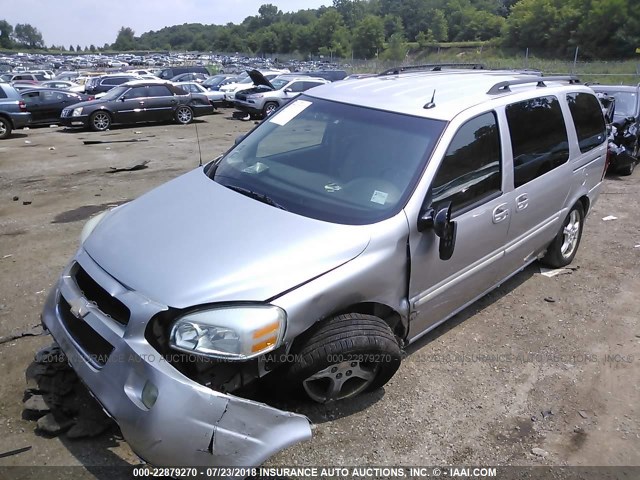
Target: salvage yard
(545,370)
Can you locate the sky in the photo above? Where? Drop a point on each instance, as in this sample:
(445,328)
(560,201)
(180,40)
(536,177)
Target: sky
(82,22)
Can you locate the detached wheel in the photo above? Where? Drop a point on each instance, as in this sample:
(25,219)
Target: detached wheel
(564,247)
(5,128)
(345,356)
(628,170)
(269,108)
(184,115)
(100,121)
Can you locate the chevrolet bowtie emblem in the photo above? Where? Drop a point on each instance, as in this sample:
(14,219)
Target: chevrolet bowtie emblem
(79,307)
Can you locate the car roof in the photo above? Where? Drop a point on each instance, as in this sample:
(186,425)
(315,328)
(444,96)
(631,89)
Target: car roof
(450,91)
(142,83)
(615,88)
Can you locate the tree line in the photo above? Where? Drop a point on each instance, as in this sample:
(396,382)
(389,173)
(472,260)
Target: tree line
(366,28)
(389,28)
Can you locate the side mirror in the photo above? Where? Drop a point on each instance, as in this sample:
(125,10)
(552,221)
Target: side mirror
(122,98)
(439,219)
(288,90)
(630,119)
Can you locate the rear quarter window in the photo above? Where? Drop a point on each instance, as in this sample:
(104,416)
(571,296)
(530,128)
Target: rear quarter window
(588,119)
(538,138)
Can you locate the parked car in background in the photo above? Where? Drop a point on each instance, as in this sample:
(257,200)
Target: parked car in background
(46,104)
(216,98)
(63,85)
(216,81)
(267,96)
(136,102)
(231,89)
(190,77)
(13,111)
(104,83)
(331,75)
(29,78)
(171,72)
(624,151)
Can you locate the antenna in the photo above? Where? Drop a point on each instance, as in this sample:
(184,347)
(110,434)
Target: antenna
(431,103)
(198,138)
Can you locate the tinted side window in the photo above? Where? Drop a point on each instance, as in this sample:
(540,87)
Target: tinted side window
(308,85)
(2,94)
(538,138)
(471,169)
(137,92)
(297,87)
(159,91)
(587,117)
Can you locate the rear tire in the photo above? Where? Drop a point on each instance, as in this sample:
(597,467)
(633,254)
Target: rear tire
(184,115)
(5,128)
(345,356)
(564,247)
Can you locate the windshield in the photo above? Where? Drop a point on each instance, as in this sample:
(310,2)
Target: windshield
(114,93)
(330,161)
(278,83)
(246,80)
(625,104)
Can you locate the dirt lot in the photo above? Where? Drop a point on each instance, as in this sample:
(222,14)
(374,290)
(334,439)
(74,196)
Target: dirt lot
(541,363)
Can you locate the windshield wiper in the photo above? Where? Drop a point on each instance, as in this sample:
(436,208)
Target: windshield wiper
(258,196)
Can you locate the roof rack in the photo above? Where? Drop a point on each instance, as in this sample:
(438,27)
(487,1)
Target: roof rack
(503,87)
(432,67)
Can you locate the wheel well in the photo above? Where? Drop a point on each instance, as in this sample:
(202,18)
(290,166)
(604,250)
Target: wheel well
(8,119)
(584,200)
(380,310)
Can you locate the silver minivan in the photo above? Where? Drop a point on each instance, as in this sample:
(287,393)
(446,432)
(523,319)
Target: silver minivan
(345,226)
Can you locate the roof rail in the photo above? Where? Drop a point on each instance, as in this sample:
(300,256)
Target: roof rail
(432,67)
(503,87)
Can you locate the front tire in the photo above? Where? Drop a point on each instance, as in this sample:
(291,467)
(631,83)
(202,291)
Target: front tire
(269,109)
(100,121)
(563,248)
(345,356)
(5,128)
(184,115)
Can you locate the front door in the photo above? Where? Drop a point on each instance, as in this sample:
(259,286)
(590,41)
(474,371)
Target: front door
(470,176)
(132,107)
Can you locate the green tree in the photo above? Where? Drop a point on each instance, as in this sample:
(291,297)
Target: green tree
(269,14)
(92,48)
(396,48)
(368,37)
(78,48)
(28,36)
(6,31)
(352,11)
(71,49)
(326,27)
(439,27)
(125,39)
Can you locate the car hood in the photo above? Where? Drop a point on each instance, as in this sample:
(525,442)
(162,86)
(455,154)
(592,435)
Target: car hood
(259,79)
(192,241)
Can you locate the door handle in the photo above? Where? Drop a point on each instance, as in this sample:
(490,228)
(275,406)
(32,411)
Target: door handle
(141,102)
(500,213)
(522,202)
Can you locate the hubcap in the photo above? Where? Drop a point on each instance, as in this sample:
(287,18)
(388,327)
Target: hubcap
(101,121)
(184,115)
(270,109)
(340,381)
(570,234)
(3,128)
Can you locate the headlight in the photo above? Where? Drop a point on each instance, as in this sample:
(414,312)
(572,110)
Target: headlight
(236,332)
(91,224)
(76,112)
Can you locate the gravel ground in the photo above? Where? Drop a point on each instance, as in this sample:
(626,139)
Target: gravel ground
(542,371)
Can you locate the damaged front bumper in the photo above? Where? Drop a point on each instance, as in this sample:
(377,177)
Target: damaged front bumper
(167,419)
